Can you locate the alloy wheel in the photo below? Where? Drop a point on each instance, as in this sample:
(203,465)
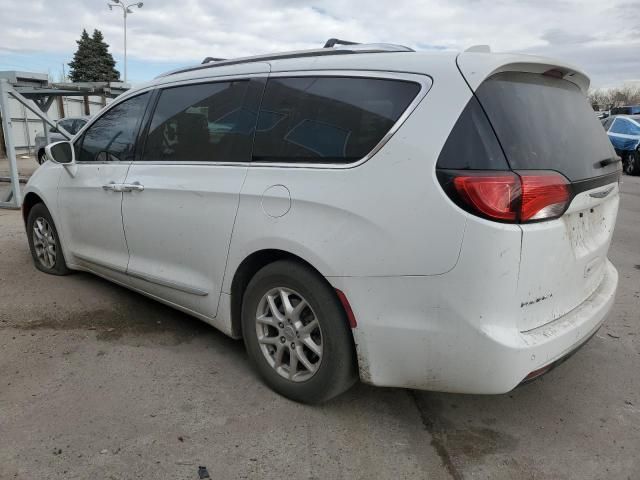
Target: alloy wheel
(44,243)
(289,334)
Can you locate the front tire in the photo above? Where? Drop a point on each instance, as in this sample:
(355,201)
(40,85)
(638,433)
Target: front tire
(631,163)
(44,242)
(42,157)
(296,333)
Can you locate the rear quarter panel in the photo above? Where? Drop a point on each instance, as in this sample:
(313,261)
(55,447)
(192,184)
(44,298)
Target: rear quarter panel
(384,217)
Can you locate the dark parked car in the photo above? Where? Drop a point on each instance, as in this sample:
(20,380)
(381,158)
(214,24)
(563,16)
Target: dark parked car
(626,110)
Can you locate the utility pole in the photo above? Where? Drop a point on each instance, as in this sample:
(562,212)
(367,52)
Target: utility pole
(126,10)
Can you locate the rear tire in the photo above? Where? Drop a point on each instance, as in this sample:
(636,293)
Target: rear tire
(44,242)
(296,333)
(631,163)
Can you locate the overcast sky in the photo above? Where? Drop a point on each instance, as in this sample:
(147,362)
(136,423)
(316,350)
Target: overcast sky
(602,37)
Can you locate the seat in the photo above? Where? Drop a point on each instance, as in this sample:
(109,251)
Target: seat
(192,132)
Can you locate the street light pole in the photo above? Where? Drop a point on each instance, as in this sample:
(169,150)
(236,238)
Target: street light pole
(126,10)
(125,45)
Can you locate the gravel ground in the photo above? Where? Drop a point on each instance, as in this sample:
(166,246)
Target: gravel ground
(99,382)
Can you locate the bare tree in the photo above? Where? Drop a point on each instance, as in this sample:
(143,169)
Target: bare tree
(607,98)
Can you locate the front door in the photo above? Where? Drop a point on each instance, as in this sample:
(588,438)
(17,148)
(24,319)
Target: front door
(90,193)
(178,226)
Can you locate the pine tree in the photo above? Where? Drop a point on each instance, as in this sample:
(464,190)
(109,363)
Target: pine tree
(106,65)
(92,62)
(80,66)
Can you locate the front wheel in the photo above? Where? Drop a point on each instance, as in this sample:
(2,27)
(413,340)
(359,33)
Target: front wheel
(296,333)
(44,242)
(631,164)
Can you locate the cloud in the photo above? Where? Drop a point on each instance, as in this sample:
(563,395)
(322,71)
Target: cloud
(556,36)
(600,37)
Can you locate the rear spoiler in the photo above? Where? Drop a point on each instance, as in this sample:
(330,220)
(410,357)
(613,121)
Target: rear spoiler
(476,67)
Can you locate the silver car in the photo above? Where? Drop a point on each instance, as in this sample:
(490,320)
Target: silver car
(70,124)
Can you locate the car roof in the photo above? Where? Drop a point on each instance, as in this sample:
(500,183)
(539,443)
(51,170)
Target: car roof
(479,64)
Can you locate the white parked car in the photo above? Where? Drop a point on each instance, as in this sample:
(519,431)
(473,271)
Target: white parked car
(431,221)
(71,124)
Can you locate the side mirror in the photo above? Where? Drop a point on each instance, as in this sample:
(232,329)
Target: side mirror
(61,152)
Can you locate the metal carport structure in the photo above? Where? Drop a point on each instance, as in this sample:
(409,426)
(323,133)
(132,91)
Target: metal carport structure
(38,100)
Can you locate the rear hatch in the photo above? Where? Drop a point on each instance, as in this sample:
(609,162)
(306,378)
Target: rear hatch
(543,122)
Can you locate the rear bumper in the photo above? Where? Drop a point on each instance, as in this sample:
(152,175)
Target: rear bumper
(410,334)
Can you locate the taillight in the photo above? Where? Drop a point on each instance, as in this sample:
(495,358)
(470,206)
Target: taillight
(494,196)
(513,197)
(544,195)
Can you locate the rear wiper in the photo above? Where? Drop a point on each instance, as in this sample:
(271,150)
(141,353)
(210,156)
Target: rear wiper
(606,161)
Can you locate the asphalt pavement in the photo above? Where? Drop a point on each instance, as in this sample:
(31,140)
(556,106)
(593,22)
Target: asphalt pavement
(100,382)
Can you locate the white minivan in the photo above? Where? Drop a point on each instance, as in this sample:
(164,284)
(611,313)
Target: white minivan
(437,221)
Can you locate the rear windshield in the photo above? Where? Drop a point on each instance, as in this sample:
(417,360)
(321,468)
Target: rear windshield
(546,123)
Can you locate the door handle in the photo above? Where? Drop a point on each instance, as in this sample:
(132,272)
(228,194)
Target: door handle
(132,187)
(123,187)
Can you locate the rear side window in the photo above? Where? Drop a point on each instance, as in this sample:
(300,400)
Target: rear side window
(207,122)
(67,125)
(112,137)
(77,125)
(472,145)
(327,119)
(607,123)
(546,123)
(72,126)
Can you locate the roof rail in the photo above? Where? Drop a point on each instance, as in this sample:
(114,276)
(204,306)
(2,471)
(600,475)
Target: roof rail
(212,59)
(332,42)
(355,47)
(339,48)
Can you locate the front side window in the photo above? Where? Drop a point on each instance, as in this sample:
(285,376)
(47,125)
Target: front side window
(113,136)
(327,119)
(206,122)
